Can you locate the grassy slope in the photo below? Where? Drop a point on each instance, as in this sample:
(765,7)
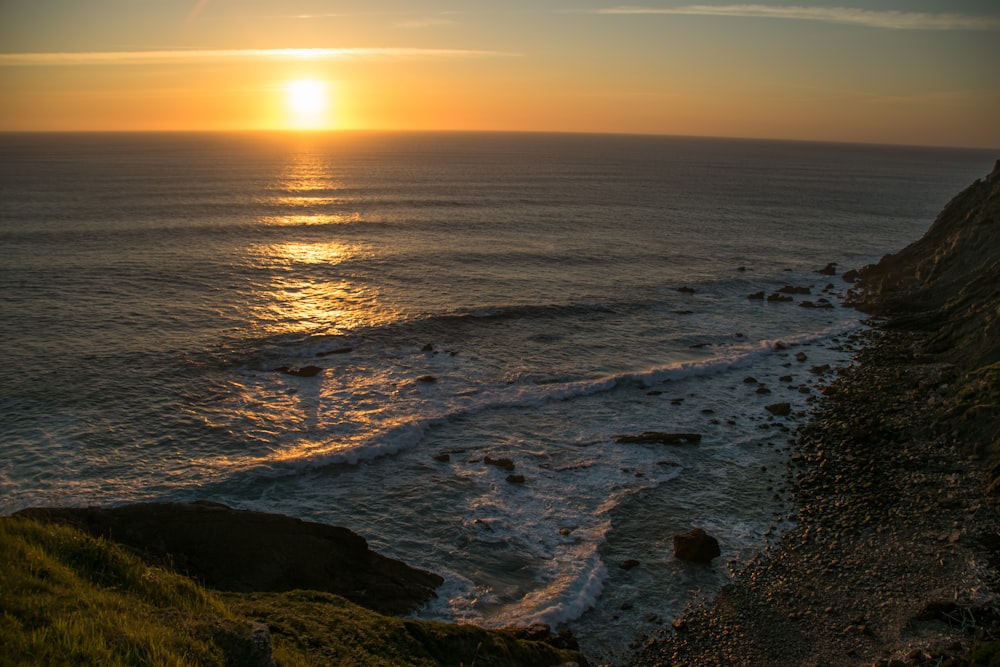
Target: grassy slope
(68,598)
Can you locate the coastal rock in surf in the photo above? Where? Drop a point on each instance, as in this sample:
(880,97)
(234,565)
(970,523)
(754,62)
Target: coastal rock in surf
(851,276)
(792,289)
(807,304)
(339,350)
(686,290)
(244,551)
(800,356)
(427,379)
(756,296)
(515,479)
(828,270)
(779,409)
(696,546)
(658,437)
(505,464)
(302,372)
(778,297)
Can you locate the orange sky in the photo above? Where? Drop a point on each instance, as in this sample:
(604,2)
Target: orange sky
(897,71)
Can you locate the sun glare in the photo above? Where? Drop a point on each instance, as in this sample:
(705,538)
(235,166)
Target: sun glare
(308,103)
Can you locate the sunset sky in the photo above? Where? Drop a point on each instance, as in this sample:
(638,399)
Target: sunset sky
(886,71)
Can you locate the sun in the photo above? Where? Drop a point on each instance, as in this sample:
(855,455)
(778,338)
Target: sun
(308,104)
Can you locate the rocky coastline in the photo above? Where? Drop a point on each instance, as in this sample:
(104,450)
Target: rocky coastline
(891,555)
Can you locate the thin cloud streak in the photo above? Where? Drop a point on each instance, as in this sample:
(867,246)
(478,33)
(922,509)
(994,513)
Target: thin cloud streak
(193,57)
(892,20)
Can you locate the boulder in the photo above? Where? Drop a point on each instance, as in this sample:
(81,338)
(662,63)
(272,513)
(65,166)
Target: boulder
(828,270)
(779,409)
(660,438)
(756,296)
(696,546)
(851,276)
(243,551)
(791,289)
(779,298)
(515,479)
(686,290)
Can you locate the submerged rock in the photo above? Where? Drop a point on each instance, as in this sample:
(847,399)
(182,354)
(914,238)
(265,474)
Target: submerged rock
(505,464)
(660,438)
(303,372)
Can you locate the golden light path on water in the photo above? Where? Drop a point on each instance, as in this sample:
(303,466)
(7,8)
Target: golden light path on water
(283,412)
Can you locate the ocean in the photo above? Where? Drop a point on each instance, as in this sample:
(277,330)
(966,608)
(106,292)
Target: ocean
(437,341)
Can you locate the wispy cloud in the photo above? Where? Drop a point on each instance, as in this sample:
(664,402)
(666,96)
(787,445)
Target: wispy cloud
(886,19)
(192,57)
(432,22)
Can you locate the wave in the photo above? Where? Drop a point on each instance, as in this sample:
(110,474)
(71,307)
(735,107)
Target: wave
(407,432)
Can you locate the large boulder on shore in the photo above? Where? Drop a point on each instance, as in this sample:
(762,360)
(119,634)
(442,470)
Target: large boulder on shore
(696,546)
(243,551)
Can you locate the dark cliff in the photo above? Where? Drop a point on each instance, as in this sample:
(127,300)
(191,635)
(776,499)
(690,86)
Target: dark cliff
(947,286)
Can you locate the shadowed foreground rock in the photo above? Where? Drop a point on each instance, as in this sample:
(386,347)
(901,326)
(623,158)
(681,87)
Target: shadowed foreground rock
(242,551)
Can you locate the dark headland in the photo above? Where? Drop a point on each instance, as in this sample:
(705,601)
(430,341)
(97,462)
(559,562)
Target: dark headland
(889,555)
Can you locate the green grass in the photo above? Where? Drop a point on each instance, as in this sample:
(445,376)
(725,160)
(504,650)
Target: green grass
(67,598)
(366,638)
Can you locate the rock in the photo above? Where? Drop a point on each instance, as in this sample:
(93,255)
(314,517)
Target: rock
(741,268)
(515,479)
(800,356)
(696,546)
(427,379)
(750,380)
(791,289)
(822,369)
(851,276)
(828,270)
(429,347)
(443,458)
(779,298)
(629,563)
(779,409)
(756,296)
(661,438)
(339,350)
(243,551)
(785,378)
(763,390)
(303,372)
(807,304)
(686,290)
(505,464)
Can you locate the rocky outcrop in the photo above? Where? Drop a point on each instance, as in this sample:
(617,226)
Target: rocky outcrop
(243,551)
(946,287)
(949,280)
(696,546)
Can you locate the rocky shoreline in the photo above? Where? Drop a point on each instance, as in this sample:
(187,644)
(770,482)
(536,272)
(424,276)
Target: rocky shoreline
(891,556)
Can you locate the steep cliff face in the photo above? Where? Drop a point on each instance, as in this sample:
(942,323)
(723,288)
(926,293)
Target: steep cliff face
(945,288)
(948,282)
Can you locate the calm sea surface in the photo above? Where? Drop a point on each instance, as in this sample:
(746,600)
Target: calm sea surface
(475,295)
